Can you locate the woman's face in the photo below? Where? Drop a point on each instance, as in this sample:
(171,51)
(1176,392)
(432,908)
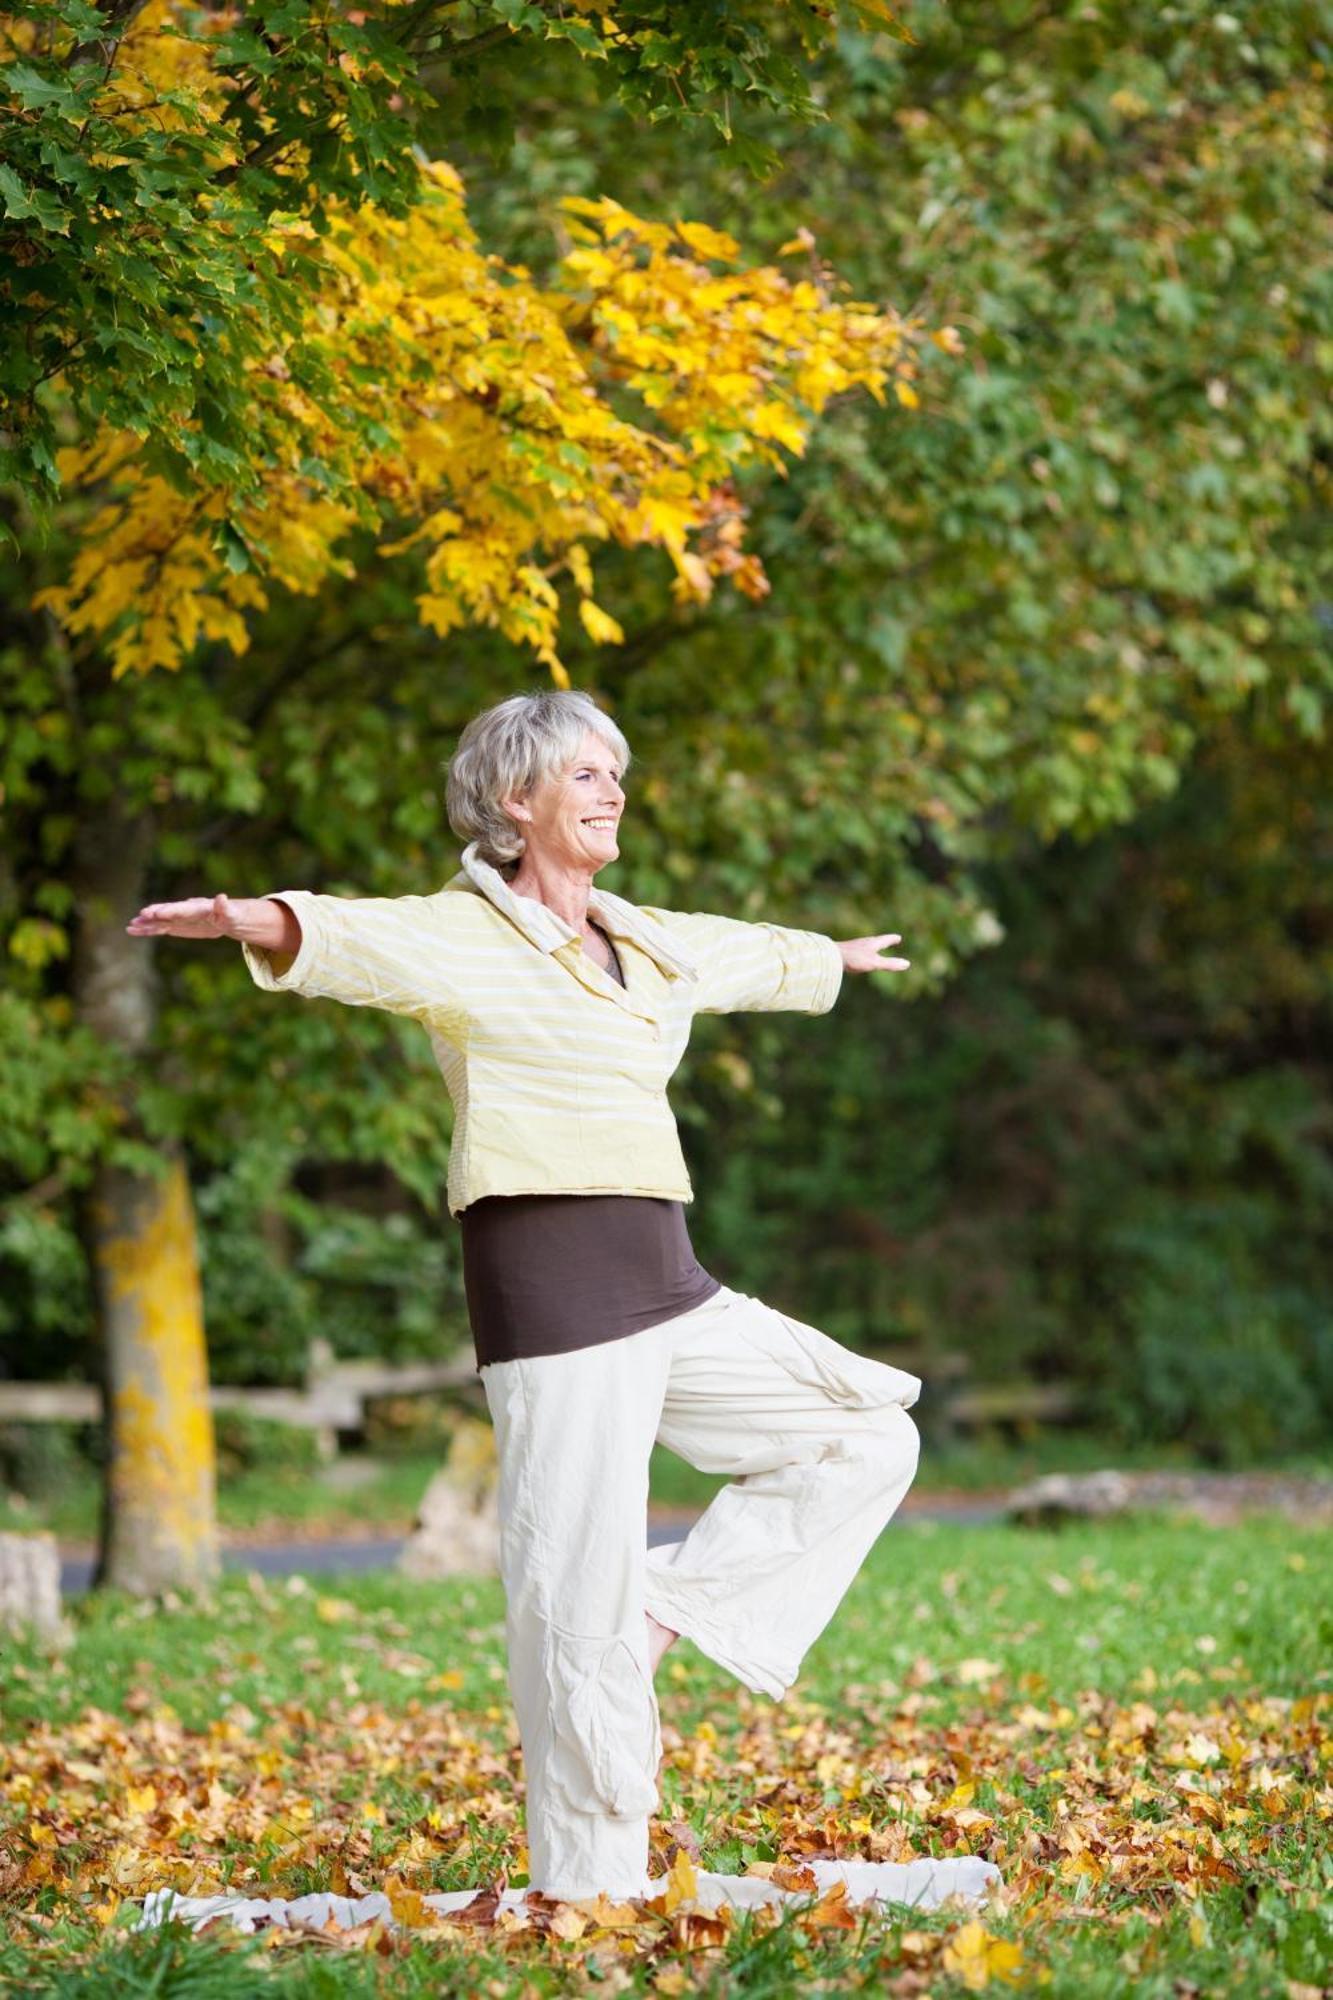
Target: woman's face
(573,817)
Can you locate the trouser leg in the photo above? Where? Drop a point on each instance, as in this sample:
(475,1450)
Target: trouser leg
(821,1450)
(573,1436)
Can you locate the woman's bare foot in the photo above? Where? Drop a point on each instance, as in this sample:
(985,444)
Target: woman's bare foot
(660,1637)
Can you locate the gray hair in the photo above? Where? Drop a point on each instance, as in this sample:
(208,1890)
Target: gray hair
(506,750)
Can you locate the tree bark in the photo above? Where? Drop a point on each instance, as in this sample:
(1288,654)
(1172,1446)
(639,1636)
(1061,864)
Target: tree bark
(159,1519)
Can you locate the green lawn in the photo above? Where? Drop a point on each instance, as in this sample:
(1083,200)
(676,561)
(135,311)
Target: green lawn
(1131,1718)
(363,1492)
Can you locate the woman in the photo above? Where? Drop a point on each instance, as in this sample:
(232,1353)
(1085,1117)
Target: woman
(557,1013)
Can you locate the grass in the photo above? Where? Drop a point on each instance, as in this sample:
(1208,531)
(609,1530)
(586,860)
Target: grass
(1131,1717)
(362,1492)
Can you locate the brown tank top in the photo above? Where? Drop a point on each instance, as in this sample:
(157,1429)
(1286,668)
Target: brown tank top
(548,1273)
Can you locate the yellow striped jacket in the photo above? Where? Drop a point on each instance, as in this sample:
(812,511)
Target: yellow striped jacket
(558,1074)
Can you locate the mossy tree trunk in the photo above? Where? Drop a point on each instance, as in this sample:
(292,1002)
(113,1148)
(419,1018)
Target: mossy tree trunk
(159,1520)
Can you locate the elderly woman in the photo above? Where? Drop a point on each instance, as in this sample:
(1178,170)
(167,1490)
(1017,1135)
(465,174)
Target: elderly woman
(557,1013)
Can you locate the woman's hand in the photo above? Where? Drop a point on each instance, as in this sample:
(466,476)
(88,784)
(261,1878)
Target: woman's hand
(864,954)
(255,920)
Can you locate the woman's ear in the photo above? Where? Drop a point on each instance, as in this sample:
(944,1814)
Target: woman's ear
(515,808)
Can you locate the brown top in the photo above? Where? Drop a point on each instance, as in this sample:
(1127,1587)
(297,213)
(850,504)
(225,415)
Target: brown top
(548,1273)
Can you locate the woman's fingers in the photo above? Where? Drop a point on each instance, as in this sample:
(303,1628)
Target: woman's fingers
(867,954)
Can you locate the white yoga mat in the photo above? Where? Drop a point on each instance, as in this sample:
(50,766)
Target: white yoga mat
(918,1885)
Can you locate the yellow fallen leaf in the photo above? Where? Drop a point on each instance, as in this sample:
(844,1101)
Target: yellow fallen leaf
(961,1795)
(1194,1753)
(831,1912)
(682,1882)
(970,1673)
(976,1957)
(407,1906)
(612,1916)
(568,1923)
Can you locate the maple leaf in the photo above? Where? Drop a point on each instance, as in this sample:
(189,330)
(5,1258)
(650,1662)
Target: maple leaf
(831,1912)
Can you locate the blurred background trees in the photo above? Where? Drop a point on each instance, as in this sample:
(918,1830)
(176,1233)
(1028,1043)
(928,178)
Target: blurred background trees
(1039,680)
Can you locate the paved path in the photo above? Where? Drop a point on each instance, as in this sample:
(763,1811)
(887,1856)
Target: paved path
(327,1558)
(319,1558)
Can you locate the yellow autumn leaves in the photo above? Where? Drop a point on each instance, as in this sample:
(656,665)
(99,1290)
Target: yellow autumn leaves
(500,430)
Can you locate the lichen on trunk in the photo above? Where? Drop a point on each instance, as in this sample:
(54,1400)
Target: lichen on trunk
(159,1527)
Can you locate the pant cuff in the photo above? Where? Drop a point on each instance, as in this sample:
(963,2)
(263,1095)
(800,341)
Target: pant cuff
(755,1676)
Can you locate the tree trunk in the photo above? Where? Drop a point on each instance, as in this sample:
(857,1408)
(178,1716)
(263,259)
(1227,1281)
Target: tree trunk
(159,1526)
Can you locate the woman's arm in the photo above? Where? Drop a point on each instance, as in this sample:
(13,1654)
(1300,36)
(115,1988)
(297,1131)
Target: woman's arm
(390,952)
(762,967)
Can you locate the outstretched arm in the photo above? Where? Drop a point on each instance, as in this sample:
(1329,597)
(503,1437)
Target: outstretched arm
(762,967)
(391,952)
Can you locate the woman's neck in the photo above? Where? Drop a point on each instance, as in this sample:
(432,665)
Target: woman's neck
(564,890)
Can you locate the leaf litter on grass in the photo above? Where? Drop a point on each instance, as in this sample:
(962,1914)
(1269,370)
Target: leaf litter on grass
(1097,1812)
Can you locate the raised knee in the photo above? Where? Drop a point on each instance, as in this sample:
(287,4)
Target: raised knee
(899,1443)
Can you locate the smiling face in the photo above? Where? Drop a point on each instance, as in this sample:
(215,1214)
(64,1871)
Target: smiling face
(571,820)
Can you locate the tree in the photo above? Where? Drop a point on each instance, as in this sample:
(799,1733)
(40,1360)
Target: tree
(345,359)
(158,159)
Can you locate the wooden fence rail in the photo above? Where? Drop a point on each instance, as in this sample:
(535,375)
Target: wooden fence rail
(335,1401)
(336,1393)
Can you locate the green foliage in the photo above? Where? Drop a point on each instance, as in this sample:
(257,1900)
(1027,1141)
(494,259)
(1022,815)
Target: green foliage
(40,1462)
(1025,612)
(1103,1157)
(45,1300)
(246,1442)
(141,278)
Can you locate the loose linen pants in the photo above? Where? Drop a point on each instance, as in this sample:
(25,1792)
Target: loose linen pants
(820,1450)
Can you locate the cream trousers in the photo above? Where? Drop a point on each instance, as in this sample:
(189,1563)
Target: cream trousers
(819,1448)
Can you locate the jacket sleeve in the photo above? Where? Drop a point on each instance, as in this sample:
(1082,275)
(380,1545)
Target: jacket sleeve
(756,968)
(391,952)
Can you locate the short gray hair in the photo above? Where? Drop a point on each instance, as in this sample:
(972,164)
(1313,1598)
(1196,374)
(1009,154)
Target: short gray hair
(506,750)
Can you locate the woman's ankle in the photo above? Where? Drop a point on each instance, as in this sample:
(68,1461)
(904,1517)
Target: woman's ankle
(660,1638)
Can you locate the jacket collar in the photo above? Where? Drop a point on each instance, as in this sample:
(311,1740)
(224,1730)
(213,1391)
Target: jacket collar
(542,927)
